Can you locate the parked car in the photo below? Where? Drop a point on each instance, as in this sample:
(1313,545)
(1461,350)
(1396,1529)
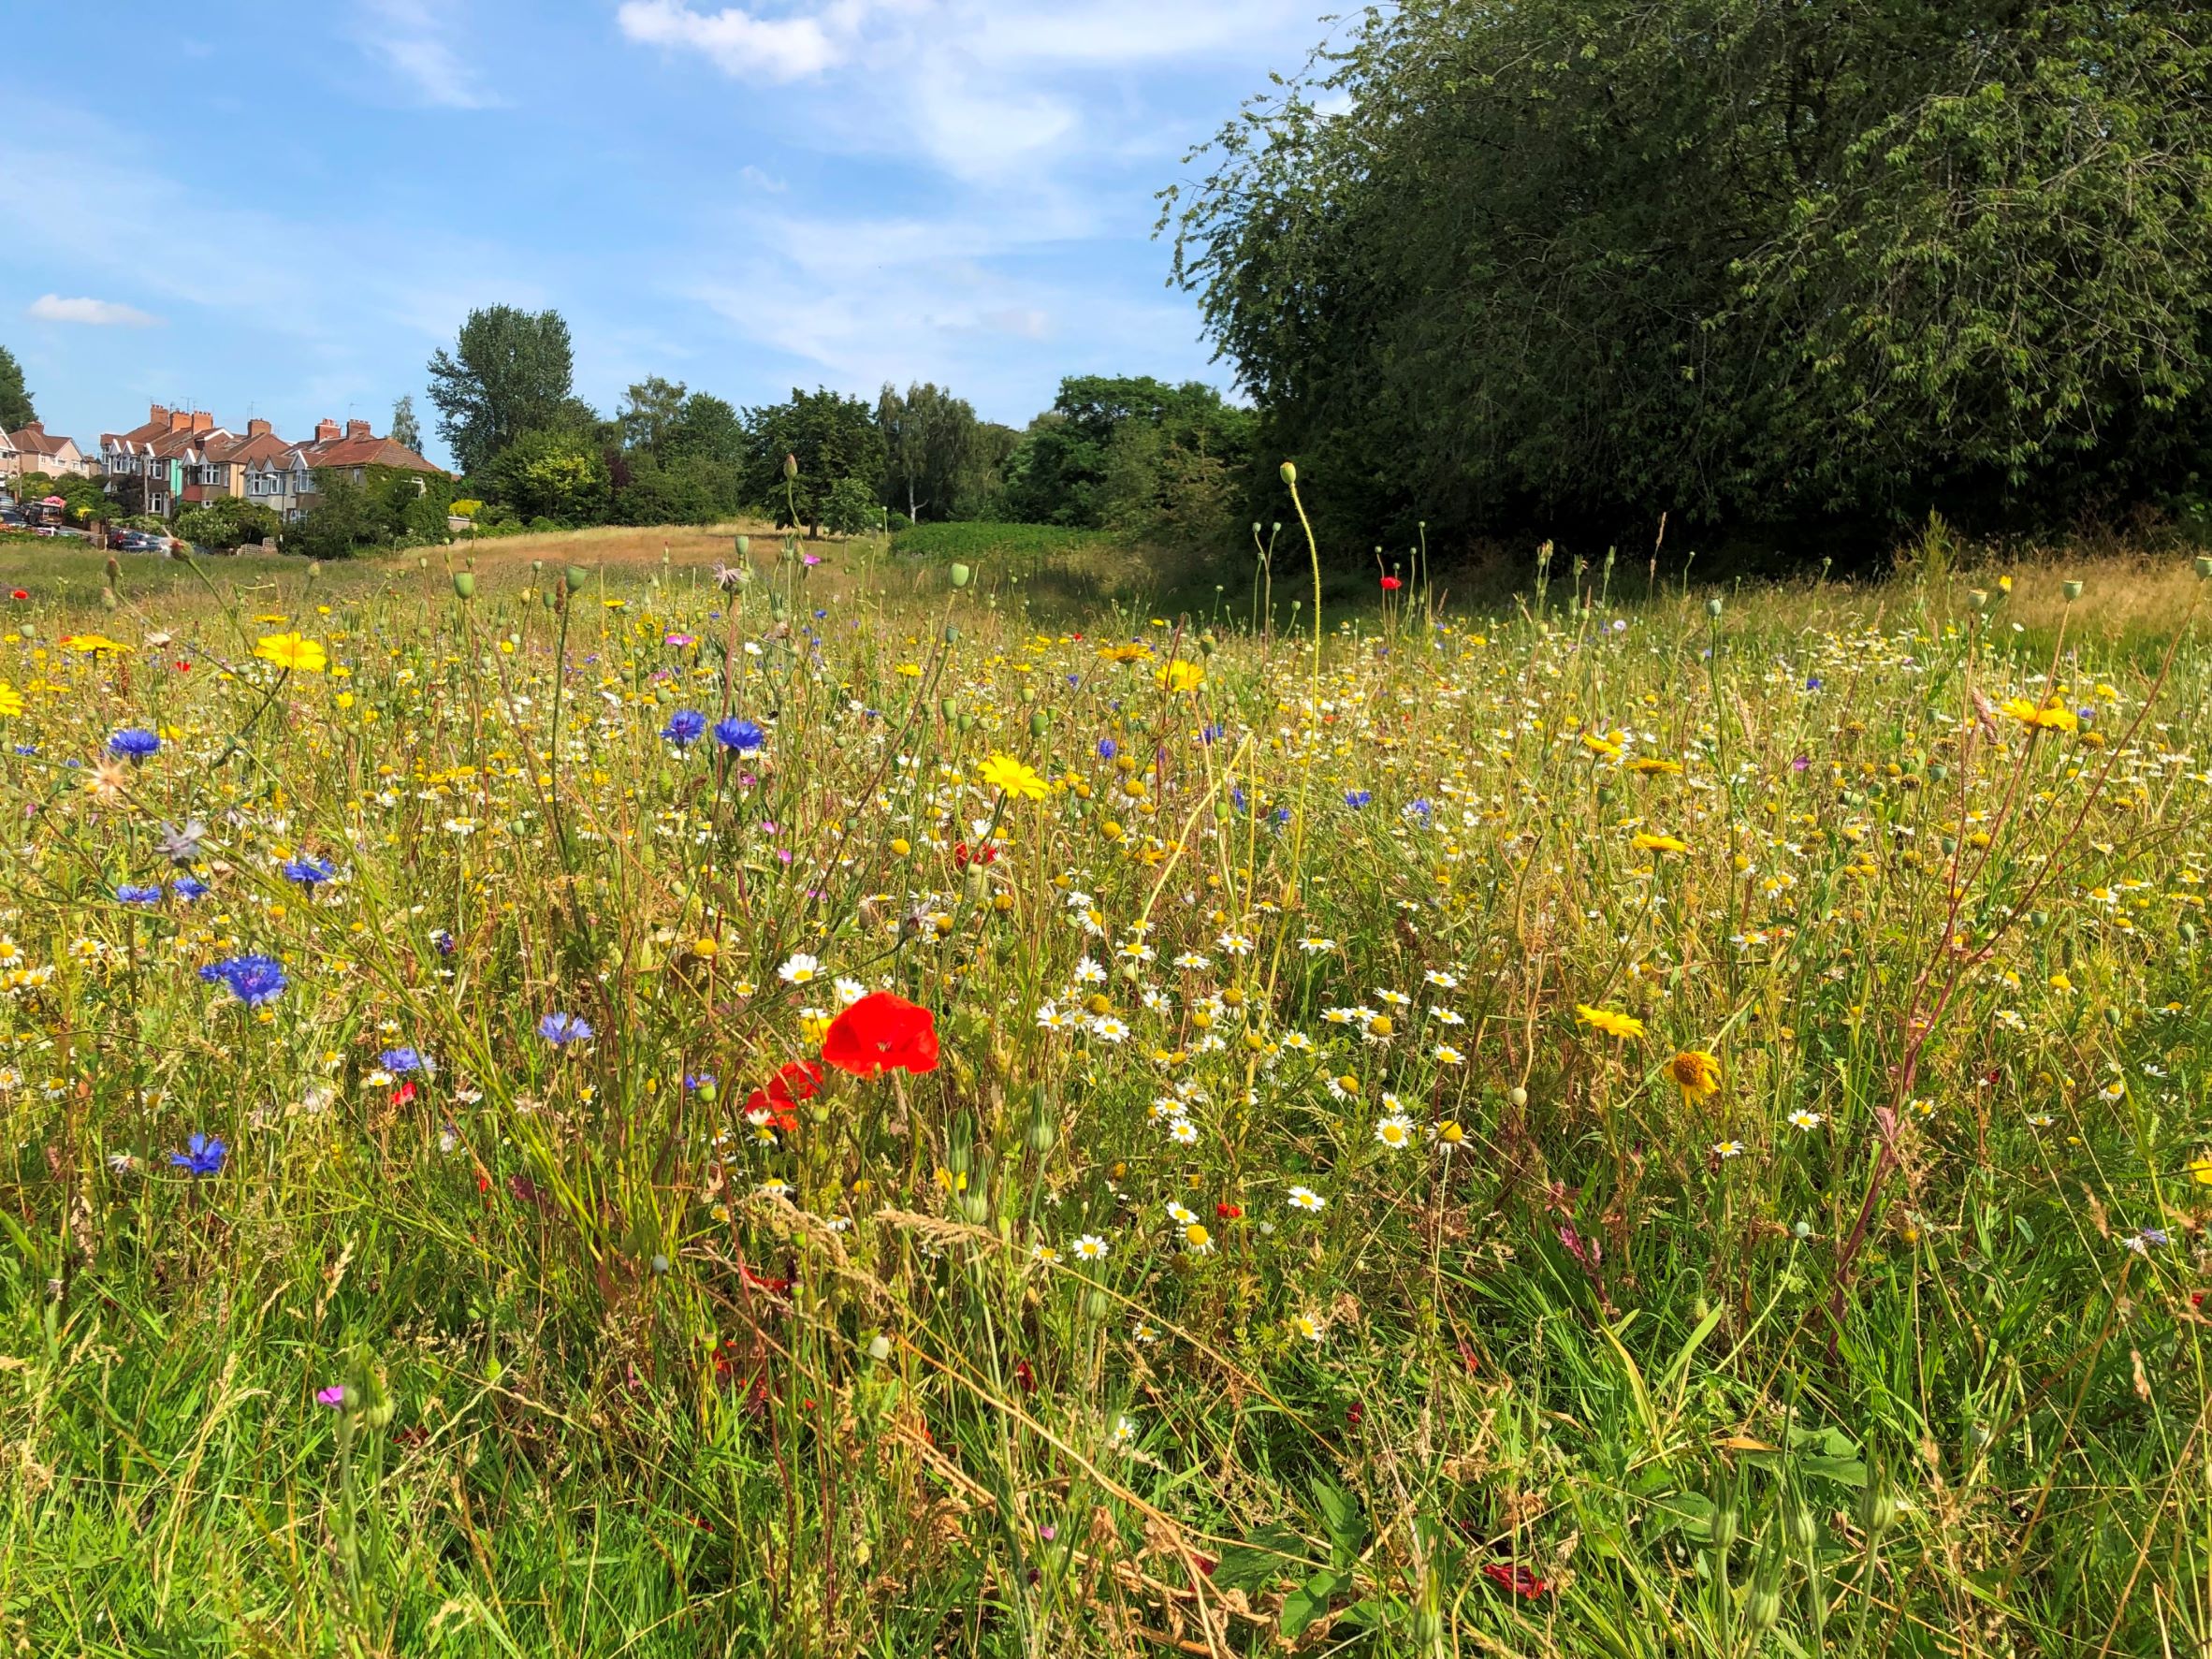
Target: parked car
(138,541)
(11,520)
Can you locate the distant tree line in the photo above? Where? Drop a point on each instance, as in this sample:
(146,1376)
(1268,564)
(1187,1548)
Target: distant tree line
(1168,462)
(1497,265)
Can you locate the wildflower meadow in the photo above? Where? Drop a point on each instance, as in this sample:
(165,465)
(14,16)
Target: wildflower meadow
(814,1105)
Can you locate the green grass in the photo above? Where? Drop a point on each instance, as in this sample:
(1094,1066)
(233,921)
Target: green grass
(633,1372)
(1027,544)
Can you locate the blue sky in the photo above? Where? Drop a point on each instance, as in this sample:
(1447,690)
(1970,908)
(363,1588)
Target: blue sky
(272,209)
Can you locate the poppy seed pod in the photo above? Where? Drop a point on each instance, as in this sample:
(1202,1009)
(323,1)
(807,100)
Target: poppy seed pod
(1712,606)
(1762,1607)
(575,577)
(2204,567)
(464,584)
(1877,1504)
(1289,471)
(961,574)
(744,547)
(2072,590)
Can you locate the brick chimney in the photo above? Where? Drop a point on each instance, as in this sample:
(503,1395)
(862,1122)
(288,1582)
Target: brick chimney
(158,416)
(326,431)
(258,428)
(179,420)
(357,428)
(202,421)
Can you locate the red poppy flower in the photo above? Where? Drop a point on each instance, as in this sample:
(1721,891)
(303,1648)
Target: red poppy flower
(1392,584)
(19,593)
(963,857)
(799,1080)
(1228,1211)
(1514,1578)
(881,1032)
(763,1108)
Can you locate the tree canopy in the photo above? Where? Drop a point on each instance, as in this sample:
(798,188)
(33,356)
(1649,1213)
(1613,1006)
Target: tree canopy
(1095,457)
(830,435)
(1724,256)
(510,373)
(15,397)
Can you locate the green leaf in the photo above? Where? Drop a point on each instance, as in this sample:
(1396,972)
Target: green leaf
(1341,1516)
(1308,1602)
(1270,1554)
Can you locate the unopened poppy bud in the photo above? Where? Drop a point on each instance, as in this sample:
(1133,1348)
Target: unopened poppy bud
(1039,722)
(744,547)
(1727,1519)
(1289,471)
(464,584)
(1712,606)
(960,574)
(879,1347)
(1877,1505)
(1517,1097)
(791,467)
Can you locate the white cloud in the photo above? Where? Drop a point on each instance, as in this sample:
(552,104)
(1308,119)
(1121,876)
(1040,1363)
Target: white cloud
(736,41)
(989,91)
(413,42)
(100,313)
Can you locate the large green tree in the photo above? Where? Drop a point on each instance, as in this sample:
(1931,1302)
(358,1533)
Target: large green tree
(649,412)
(557,474)
(15,397)
(1103,454)
(509,373)
(406,430)
(1725,256)
(830,436)
(937,463)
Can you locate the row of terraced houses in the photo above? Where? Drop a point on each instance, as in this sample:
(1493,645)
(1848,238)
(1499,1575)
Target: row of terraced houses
(181,458)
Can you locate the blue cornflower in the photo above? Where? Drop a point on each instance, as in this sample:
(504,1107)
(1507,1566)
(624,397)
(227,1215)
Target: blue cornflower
(1282,815)
(26,748)
(134,742)
(1108,749)
(443,941)
(308,872)
(740,735)
(1357,798)
(1420,808)
(696,1081)
(684,726)
(189,888)
(254,981)
(138,893)
(561,1029)
(1236,794)
(1812,682)
(400,1061)
(202,1156)
(1210,732)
